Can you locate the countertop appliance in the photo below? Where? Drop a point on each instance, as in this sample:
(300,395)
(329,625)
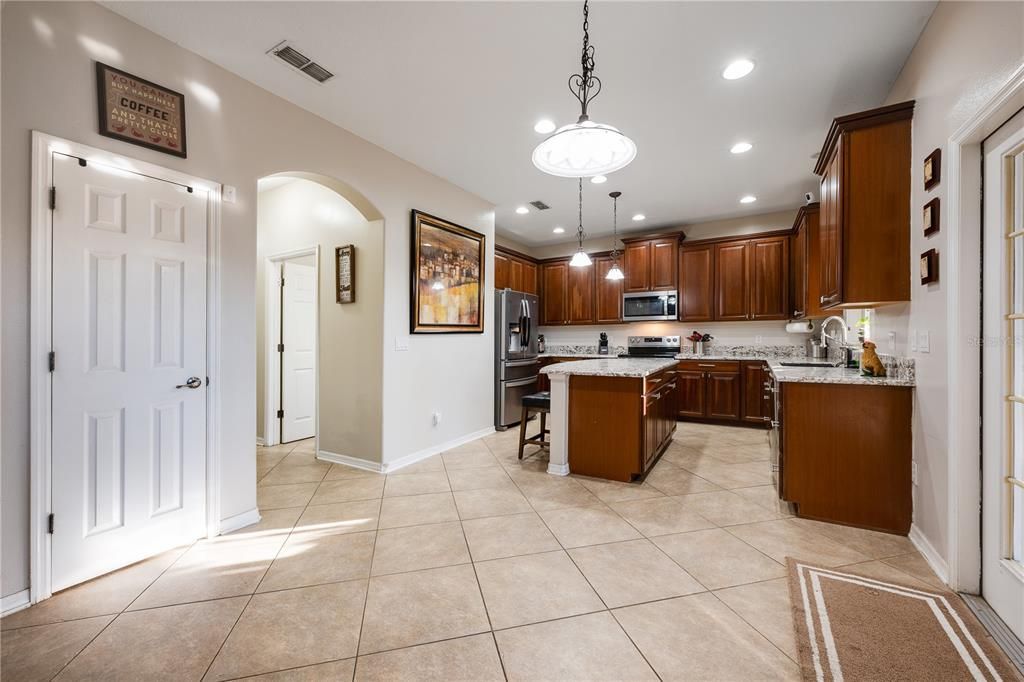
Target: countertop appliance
(654,305)
(602,344)
(651,347)
(516,359)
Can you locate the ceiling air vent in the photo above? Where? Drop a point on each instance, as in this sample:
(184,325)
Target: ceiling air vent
(296,59)
(539,205)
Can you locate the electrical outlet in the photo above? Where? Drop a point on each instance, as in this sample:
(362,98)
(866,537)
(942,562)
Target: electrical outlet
(892,341)
(913,340)
(924,341)
(437,419)
(913,471)
(758,339)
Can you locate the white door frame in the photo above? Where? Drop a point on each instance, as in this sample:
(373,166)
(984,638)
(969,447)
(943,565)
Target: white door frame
(272,359)
(963,333)
(43,145)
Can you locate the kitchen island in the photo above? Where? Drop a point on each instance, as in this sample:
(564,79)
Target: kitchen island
(610,418)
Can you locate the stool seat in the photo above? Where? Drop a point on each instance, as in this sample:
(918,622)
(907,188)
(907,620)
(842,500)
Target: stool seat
(538,401)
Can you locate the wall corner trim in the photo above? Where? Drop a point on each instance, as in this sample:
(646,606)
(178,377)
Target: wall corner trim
(350,461)
(246,518)
(432,450)
(13,603)
(930,554)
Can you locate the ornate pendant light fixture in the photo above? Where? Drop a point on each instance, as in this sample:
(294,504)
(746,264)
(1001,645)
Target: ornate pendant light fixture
(580,259)
(615,272)
(585,148)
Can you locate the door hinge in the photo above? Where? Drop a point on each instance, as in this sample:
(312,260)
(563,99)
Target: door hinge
(280,414)
(49,524)
(52,361)
(280,348)
(282,282)
(207,381)
(53,198)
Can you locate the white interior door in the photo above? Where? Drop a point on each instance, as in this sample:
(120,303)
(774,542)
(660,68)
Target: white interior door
(1002,529)
(129,329)
(298,359)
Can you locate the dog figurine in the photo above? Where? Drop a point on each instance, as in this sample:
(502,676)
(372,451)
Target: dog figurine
(870,364)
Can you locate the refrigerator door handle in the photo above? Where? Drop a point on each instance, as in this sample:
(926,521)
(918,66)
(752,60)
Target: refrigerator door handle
(520,382)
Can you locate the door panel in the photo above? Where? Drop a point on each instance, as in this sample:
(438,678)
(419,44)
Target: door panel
(723,400)
(769,278)
(609,292)
(731,281)
(555,280)
(690,393)
(696,279)
(663,264)
(798,271)
(754,408)
(637,267)
(830,231)
(501,272)
(298,360)
(129,325)
(581,295)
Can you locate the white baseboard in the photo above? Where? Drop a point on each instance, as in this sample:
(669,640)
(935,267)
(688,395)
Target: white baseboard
(233,523)
(349,461)
(934,559)
(435,449)
(15,602)
(260,441)
(395,465)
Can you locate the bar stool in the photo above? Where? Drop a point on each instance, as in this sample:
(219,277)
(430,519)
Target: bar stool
(535,402)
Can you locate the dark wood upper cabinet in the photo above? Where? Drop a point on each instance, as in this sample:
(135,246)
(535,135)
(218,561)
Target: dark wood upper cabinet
(769,278)
(805,257)
(650,264)
(798,272)
(637,267)
(554,285)
(515,274)
(865,208)
(501,263)
(696,283)
(732,289)
(580,295)
(530,277)
(663,264)
(608,299)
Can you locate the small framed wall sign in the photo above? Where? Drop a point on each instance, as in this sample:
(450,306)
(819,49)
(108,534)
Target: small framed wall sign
(138,111)
(929,266)
(345,273)
(932,169)
(930,217)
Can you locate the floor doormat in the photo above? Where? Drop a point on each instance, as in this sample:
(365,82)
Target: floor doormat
(849,627)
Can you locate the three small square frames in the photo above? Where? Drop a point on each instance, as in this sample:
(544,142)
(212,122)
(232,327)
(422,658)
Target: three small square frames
(931,215)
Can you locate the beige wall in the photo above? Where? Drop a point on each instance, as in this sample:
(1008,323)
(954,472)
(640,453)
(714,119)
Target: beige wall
(966,52)
(302,214)
(237,133)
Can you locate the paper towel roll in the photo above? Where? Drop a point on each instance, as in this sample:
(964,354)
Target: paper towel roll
(801,327)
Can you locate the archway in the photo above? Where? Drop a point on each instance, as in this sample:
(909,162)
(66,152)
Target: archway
(302,218)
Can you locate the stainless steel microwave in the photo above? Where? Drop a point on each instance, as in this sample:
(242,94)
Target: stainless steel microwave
(653,305)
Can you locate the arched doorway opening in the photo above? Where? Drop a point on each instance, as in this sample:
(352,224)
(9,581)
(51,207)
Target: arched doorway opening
(318,374)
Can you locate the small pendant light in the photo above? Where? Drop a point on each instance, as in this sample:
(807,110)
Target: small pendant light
(580,259)
(615,272)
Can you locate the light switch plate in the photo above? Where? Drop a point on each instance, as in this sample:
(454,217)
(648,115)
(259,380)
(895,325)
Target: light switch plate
(924,341)
(913,340)
(892,341)
(228,194)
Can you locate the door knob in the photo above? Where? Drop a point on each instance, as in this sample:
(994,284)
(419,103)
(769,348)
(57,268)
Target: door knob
(191,382)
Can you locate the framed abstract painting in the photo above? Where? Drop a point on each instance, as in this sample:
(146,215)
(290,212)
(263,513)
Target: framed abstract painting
(447,277)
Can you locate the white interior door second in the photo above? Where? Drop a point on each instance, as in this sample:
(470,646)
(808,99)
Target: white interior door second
(1002,528)
(128,464)
(298,359)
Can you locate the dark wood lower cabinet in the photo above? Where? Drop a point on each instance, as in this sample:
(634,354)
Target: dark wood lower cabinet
(846,454)
(618,426)
(723,391)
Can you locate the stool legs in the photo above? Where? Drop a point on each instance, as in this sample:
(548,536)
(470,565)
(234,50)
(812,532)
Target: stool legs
(522,430)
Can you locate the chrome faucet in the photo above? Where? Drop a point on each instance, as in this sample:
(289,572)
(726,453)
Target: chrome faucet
(844,343)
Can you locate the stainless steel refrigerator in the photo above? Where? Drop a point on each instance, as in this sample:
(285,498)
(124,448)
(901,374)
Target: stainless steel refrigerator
(516,359)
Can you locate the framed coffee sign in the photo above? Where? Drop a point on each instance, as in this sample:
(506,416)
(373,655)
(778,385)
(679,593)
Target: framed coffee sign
(136,110)
(345,273)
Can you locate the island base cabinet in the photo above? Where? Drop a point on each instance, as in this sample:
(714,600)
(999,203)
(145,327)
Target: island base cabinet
(616,431)
(846,454)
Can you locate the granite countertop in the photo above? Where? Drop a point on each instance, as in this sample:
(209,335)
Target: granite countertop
(572,354)
(611,367)
(834,375)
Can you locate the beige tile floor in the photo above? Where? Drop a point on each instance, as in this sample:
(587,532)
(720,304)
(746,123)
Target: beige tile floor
(466,566)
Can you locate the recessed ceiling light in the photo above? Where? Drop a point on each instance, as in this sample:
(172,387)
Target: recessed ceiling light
(598,179)
(544,126)
(558,230)
(738,69)
(741,147)
(522,210)
(639,216)
(749,199)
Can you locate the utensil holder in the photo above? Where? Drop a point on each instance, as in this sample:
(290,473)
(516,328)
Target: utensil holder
(698,347)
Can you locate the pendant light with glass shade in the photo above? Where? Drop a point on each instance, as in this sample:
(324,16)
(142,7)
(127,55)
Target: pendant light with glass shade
(615,272)
(580,259)
(585,148)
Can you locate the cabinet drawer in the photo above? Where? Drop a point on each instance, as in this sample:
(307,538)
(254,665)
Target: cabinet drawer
(709,366)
